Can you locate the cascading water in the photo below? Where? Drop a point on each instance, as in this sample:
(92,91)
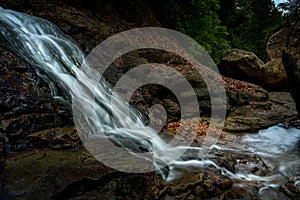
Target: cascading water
(44,46)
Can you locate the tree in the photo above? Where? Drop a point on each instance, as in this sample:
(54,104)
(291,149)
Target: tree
(291,9)
(249,23)
(219,24)
(199,20)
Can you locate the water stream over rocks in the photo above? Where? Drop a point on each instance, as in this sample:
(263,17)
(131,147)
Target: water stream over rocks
(268,161)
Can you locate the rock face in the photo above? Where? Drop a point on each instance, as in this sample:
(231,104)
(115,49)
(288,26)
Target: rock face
(66,171)
(249,107)
(272,75)
(26,103)
(89,23)
(74,174)
(242,65)
(291,61)
(277,41)
(246,66)
(80,22)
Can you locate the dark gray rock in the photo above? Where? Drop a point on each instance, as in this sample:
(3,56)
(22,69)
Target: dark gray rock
(291,61)
(246,66)
(27,103)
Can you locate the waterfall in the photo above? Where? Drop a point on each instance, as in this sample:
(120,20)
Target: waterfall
(123,133)
(62,62)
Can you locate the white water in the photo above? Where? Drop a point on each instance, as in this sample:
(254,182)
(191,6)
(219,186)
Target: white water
(44,46)
(279,147)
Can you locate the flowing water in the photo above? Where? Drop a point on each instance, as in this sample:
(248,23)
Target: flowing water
(59,61)
(279,146)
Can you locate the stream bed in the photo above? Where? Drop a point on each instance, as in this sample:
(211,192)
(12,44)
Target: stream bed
(262,165)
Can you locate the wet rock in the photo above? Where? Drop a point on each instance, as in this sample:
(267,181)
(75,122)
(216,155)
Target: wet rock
(240,162)
(40,175)
(116,185)
(295,124)
(3,146)
(56,138)
(48,172)
(26,99)
(73,174)
(239,121)
(291,188)
(240,192)
(268,193)
(251,108)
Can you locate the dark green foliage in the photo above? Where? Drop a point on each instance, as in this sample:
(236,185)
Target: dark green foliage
(199,20)
(220,24)
(250,22)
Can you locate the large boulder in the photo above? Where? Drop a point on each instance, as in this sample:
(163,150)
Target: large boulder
(276,41)
(291,61)
(246,66)
(241,65)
